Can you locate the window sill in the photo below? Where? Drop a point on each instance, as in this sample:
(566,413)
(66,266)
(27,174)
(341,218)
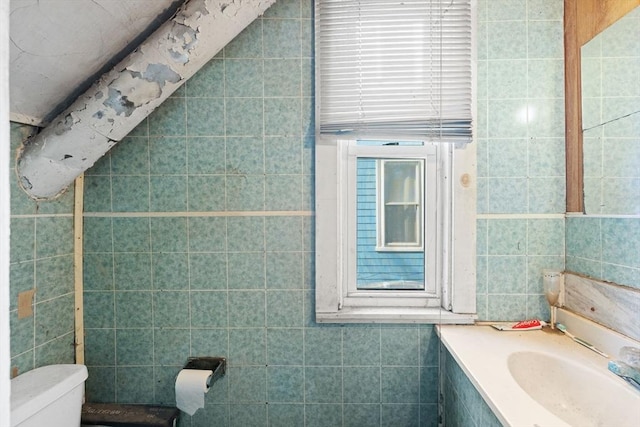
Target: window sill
(430,315)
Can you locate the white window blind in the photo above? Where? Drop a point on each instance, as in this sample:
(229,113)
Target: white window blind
(394,67)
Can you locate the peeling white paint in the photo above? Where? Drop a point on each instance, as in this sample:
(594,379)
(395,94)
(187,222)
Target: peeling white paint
(123,97)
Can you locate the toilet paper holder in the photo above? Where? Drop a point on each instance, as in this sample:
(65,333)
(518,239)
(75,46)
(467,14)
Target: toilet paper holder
(217,365)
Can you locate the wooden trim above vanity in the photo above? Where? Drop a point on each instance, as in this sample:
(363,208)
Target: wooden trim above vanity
(583,20)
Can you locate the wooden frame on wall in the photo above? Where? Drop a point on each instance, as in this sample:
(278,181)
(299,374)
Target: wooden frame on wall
(583,20)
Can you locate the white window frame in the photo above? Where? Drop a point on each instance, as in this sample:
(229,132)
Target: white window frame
(381,204)
(335,300)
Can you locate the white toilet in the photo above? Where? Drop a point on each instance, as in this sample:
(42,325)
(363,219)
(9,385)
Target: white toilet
(48,396)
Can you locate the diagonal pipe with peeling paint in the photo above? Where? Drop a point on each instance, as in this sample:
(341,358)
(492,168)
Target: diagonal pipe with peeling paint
(49,161)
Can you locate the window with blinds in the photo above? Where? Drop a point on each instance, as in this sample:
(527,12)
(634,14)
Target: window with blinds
(394,67)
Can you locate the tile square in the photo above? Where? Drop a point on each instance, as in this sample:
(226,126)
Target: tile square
(131,235)
(245,155)
(130,193)
(53,277)
(209,342)
(205,117)
(247,384)
(244,116)
(99,310)
(322,415)
(170,271)
(323,385)
(283,233)
(132,271)
(206,193)
(207,234)
(171,309)
(168,155)
(285,384)
(168,234)
(507,237)
(248,414)
(282,116)
(247,346)
(97,236)
(507,274)
(284,270)
(285,346)
(243,77)
(282,77)
(208,271)
(323,346)
(282,38)
(246,309)
(400,384)
(48,232)
(286,415)
(129,157)
(100,347)
(168,193)
(209,309)
(133,309)
(134,384)
(97,194)
(245,193)
(245,234)
(171,346)
(100,386)
(356,415)
(53,319)
(134,347)
(361,384)
(246,270)
(284,308)
(399,347)
(361,346)
(283,155)
(283,192)
(206,155)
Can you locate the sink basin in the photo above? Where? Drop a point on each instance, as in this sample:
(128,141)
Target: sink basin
(575,393)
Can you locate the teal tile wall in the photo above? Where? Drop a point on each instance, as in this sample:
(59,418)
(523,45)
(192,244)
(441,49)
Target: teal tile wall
(199,241)
(463,405)
(41,258)
(520,128)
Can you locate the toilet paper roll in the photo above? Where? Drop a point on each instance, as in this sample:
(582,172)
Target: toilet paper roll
(191,386)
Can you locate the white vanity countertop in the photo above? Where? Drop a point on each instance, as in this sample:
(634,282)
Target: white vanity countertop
(482,353)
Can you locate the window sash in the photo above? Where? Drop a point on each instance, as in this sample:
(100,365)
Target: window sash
(351,296)
(411,199)
(394,67)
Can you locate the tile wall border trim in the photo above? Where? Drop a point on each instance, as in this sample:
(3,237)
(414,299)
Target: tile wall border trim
(194,214)
(520,216)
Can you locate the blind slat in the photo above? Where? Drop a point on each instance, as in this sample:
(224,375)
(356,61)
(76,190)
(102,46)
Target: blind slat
(399,66)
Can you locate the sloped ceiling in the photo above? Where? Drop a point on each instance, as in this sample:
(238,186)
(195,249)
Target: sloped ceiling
(123,96)
(60,47)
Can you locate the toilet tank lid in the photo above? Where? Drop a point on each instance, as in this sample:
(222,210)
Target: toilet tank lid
(35,389)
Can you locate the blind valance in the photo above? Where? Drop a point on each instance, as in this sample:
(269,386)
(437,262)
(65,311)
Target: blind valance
(394,67)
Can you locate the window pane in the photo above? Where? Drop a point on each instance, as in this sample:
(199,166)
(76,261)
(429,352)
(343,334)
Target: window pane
(401,225)
(400,181)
